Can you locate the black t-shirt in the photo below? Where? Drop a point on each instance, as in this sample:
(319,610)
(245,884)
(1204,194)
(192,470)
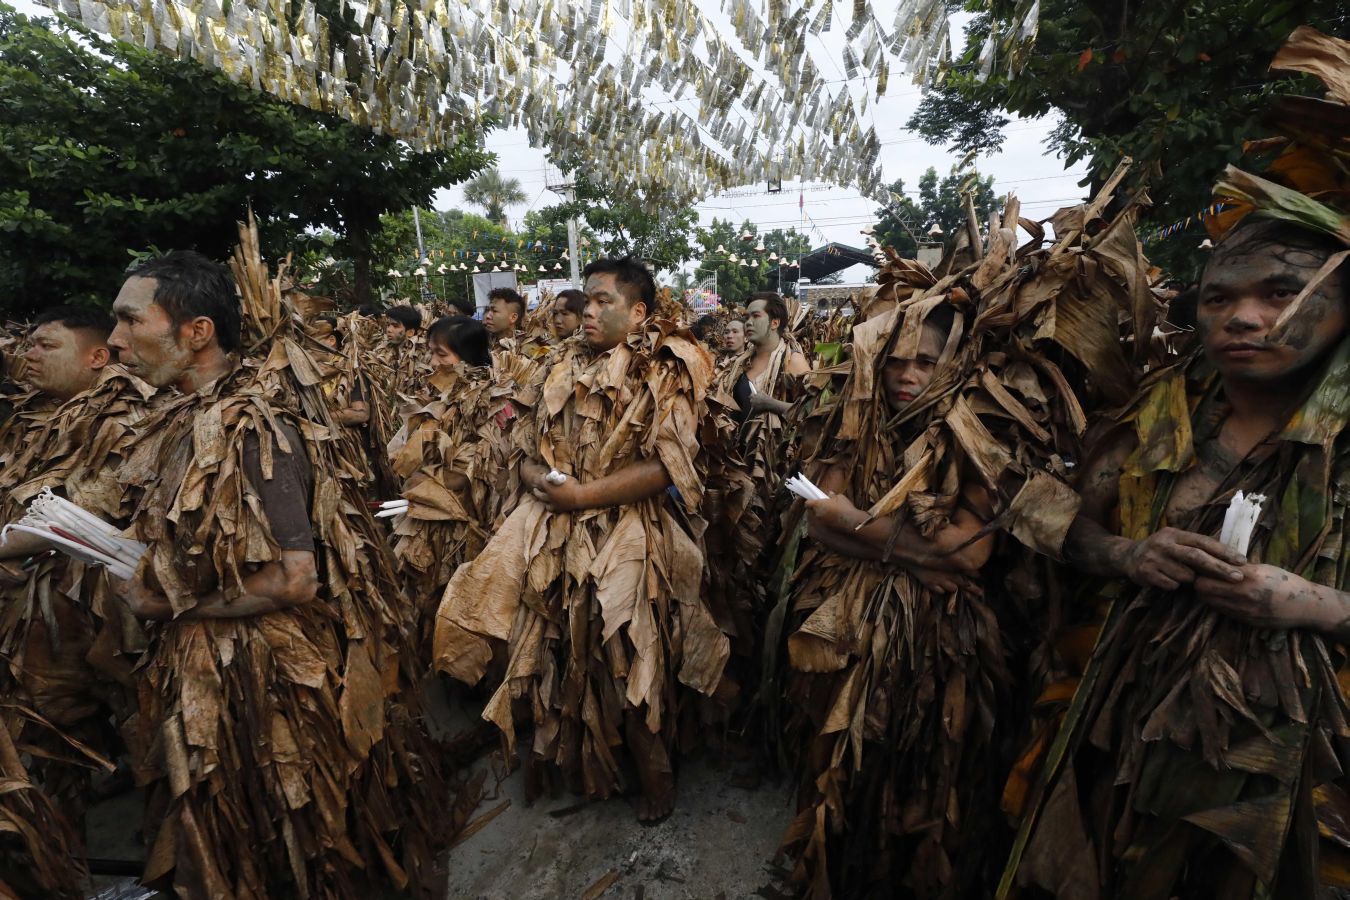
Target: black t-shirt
(286,497)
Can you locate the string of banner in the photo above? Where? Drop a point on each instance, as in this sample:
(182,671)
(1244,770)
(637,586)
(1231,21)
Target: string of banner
(1181,225)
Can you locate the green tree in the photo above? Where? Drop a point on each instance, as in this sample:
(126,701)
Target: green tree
(735,282)
(107,150)
(939,203)
(451,238)
(616,224)
(1177,87)
(494,193)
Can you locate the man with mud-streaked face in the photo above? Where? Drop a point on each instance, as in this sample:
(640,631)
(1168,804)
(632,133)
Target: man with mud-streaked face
(1266,370)
(1215,650)
(69,350)
(615,428)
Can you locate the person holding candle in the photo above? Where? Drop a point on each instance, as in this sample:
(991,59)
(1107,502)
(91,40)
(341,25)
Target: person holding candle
(1204,752)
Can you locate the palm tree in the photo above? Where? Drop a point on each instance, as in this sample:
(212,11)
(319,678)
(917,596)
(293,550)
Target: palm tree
(494,193)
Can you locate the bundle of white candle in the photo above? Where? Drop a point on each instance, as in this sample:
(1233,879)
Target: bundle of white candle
(390,508)
(1239,521)
(79,534)
(555,477)
(800,485)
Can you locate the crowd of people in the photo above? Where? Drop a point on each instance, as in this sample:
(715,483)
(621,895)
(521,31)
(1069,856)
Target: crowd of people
(1007,645)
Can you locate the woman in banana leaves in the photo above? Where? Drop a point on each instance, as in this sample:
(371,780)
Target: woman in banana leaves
(897,668)
(274,729)
(593,582)
(452,454)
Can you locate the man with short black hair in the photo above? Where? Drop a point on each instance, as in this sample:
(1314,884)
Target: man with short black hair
(69,349)
(65,670)
(599,564)
(401,323)
(504,314)
(243,635)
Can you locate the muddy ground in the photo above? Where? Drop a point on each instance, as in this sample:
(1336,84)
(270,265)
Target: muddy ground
(719,842)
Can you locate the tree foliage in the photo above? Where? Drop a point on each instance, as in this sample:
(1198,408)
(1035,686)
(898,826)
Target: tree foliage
(626,224)
(735,282)
(107,150)
(494,193)
(1177,87)
(939,203)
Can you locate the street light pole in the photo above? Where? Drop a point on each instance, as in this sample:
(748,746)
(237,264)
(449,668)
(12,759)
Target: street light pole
(572,244)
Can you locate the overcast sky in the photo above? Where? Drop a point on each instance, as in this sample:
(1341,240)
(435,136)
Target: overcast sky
(831,212)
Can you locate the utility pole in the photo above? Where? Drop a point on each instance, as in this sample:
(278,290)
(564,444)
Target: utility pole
(417,226)
(572,261)
(563,185)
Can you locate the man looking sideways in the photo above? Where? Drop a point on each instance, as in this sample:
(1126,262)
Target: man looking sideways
(241,631)
(70,348)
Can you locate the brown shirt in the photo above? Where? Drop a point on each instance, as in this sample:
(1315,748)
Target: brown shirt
(285,498)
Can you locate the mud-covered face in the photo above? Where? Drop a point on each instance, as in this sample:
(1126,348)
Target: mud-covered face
(63,362)
(905,379)
(395,332)
(610,316)
(563,322)
(733,338)
(442,357)
(1244,290)
(758,325)
(146,340)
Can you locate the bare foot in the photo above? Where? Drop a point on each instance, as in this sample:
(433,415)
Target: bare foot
(657,800)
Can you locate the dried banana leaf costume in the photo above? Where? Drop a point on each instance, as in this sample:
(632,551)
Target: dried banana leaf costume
(1201,756)
(747,505)
(67,644)
(358,370)
(601,611)
(463,429)
(280,757)
(902,695)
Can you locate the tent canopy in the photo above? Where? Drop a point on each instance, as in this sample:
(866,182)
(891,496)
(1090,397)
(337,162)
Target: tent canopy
(831,258)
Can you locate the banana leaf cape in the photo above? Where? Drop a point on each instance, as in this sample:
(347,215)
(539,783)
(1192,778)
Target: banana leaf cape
(67,644)
(1202,757)
(750,499)
(294,734)
(901,699)
(601,612)
(462,428)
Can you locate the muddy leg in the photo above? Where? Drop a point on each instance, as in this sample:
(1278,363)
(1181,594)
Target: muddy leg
(654,770)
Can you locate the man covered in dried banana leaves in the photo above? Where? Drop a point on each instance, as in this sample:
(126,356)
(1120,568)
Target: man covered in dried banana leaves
(65,641)
(956,421)
(593,584)
(452,454)
(272,711)
(763,380)
(1204,754)
(405,354)
(515,352)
